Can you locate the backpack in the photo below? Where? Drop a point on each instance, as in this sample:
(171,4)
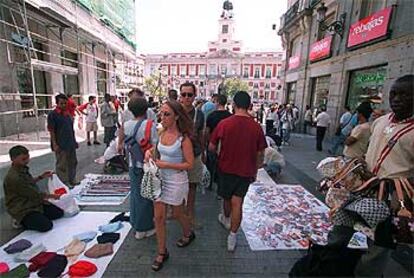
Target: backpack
(137,150)
(327,261)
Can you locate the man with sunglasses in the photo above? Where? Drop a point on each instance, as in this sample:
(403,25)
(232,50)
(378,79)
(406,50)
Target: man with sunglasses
(187,96)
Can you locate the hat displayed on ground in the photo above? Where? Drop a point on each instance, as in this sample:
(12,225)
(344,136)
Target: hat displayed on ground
(86,236)
(100,250)
(27,254)
(40,260)
(108,237)
(82,269)
(19,271)
(74,249)
(18,246)
(4,268)
(120,217)
(111,228)
(54,267)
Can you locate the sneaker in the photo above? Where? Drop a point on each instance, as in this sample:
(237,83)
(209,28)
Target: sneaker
(231,242)
(142,235)
(225,221)
(89,143)
(15,224)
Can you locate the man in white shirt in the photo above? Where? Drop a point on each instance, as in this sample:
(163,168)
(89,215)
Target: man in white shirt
(323,120)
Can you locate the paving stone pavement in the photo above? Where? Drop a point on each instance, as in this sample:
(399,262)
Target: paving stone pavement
(207,255)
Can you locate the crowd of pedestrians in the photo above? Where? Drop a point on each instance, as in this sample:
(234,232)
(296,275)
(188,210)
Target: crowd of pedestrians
(188,134)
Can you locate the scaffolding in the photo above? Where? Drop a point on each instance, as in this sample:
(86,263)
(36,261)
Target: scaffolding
(21,35)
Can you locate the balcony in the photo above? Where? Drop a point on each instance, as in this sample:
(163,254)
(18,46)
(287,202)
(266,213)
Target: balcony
(291,13)
(296,11)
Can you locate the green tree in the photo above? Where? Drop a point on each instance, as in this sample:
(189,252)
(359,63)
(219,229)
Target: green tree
(233,85)
(154,85)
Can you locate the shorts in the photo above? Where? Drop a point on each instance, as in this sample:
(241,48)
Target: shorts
(91,127)
(196,173)
(229,185)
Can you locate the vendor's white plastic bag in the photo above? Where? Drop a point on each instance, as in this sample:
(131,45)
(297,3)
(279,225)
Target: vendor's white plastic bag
(67,201)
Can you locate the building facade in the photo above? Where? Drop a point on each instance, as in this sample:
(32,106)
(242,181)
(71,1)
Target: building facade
(51,47)
(224,59)
(343,52)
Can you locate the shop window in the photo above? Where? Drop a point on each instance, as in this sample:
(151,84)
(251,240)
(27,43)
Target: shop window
(101,78)
(366,85)
(291,92)
(25,86)
(369,7)
(319,91)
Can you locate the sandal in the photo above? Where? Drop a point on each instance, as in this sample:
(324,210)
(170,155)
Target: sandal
(157,265)
(186,240)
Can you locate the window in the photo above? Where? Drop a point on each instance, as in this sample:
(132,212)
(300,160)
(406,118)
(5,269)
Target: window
(246,72)
(70,82)
(268,72)
(152,68)
(223,69)
(183,70)
(24,81)
(328,20)
(256,72)
(225,29)
(234,69)
(369,7)
(101,78)
(202,70)
(212,69)
(173,70)
(291,92)
(192,70)
(294,47)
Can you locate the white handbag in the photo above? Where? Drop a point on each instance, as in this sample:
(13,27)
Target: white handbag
(151,181)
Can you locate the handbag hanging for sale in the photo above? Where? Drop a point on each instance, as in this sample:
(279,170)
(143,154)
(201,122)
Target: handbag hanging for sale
(151,181)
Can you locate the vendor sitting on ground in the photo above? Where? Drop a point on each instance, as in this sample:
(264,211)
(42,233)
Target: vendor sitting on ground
(24,201)
(273,161)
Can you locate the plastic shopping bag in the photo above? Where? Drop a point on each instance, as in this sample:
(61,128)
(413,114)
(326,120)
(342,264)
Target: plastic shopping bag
(67,201)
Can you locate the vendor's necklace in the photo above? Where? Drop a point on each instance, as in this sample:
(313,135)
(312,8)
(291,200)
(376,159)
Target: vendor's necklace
(393,124)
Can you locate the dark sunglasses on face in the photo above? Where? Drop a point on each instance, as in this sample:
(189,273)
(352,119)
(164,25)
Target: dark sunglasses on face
(187,94)
(165,114)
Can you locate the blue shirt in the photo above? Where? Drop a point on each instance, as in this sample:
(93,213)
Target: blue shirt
(61,124)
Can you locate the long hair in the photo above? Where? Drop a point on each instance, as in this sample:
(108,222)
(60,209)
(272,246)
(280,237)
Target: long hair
(184,123)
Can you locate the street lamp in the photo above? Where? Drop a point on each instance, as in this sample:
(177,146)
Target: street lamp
(336,27)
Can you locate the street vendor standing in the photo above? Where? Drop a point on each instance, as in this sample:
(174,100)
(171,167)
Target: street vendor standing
(24,202)
(390,155)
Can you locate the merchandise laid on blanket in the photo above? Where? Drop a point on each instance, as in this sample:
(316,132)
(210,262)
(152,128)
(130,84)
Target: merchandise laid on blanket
(97,189)
(31,258)
(360,199)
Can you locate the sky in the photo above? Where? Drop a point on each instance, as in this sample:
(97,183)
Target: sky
(166,26)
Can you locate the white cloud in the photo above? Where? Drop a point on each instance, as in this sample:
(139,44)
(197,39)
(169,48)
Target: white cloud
(187,25)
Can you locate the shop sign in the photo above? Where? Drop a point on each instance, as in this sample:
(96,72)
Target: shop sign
(294,62)
(370,77)
(320,49)
(370,28)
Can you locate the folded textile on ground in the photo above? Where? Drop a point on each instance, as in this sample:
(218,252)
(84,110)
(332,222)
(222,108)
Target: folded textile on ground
(74,249)
(18,246)
(27,254)
(19,271)
(82,269)
(108,237)
(40,260)
(120,217)
(54,267)
(86,236)
(111,228)
(100,250)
